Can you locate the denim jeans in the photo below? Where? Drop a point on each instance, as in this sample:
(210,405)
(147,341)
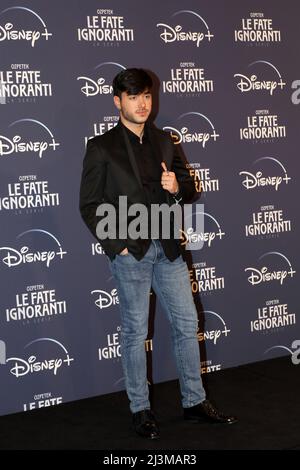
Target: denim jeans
(171,283)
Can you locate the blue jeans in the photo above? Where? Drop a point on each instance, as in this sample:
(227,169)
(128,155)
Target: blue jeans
(171,283)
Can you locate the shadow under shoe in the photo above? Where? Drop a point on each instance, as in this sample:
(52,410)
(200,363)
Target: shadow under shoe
(205,411)
(145,425)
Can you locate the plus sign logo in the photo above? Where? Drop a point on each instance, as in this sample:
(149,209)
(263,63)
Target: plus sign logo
(193,127)
(215,327)
(264,175)
(28,136)
(19,16)
(263,76)
(274,267)
(186,25)
(205,232)
(45,355)
(50,249)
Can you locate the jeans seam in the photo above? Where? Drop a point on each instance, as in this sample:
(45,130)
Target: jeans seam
(143,401)
(155,258)
(175,335)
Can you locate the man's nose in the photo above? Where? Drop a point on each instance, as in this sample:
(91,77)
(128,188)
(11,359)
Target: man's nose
(142,102)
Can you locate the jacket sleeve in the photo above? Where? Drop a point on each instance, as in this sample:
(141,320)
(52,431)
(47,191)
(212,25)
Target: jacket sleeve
(186,184)
(92,186)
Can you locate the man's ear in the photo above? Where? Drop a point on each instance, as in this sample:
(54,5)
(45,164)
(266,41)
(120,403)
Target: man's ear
(117,102)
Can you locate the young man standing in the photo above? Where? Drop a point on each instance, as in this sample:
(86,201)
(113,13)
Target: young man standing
(139,161)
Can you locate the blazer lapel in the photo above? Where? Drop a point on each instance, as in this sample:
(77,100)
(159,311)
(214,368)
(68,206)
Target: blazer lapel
(159,152)
(158,147)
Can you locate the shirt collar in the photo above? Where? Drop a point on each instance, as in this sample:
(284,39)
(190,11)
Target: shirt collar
(132,136)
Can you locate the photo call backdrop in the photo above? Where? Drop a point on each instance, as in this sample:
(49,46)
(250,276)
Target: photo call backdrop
(229,94)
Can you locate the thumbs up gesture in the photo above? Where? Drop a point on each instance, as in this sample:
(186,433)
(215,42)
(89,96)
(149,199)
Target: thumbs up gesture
(168,180)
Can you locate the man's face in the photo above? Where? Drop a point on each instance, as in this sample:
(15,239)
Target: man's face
(134,108)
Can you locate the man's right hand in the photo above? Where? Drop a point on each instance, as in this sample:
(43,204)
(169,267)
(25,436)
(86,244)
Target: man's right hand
(124,252)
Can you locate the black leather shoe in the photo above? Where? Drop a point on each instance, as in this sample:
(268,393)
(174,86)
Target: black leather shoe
(145,425)
(206,411)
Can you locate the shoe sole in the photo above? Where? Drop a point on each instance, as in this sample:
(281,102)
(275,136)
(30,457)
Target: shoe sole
(207,420)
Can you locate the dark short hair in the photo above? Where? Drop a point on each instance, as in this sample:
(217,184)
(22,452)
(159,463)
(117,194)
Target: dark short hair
(132,81)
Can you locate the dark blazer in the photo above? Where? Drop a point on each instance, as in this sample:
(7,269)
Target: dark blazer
(110,170)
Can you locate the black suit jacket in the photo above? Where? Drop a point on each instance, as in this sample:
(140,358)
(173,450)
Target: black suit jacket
(110,170)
